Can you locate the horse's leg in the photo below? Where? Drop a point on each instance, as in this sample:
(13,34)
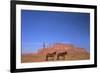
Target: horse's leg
(46,58)
(63,57)
(57,57)
(50,58)
(53,58)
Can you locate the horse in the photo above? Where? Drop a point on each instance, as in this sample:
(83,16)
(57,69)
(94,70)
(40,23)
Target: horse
(50,55)
(61,54)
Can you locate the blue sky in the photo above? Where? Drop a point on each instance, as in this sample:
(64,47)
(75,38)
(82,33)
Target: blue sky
(54,27)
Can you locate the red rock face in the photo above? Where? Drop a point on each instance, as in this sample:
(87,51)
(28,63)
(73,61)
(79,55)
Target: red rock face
(61,48)
(73,53)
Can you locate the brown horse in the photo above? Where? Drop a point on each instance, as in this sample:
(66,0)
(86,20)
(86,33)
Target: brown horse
(50,56)
(61,55)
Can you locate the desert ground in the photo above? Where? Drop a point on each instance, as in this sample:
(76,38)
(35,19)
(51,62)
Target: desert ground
(57,52)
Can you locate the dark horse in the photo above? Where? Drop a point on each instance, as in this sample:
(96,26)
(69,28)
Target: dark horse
(51,56)
(61,55)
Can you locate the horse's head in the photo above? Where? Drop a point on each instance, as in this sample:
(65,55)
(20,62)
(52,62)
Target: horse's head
(66,52)
(54,52)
